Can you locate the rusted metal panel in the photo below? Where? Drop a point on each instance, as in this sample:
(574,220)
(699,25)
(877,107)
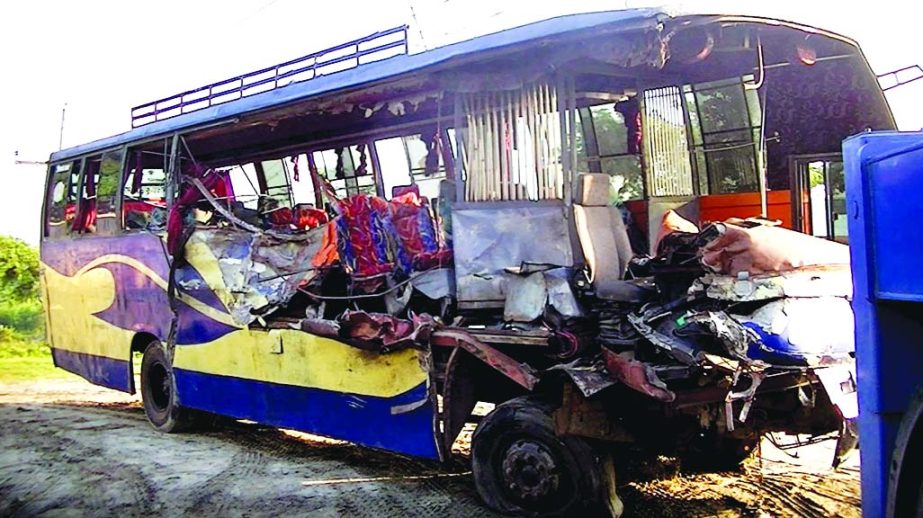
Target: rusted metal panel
(588,374)
(459,396)
(638,375)
(521,373)
(584,417)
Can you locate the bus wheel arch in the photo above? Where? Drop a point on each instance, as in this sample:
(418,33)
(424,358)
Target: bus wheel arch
(158,391)
(465,379)
(139,343)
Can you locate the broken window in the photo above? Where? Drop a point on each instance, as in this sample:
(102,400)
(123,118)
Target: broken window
(411,159)
(347,169)
(96,210)
(724,118)
(145,191)
(302,184)
(395,167)
(62,198)
(275,183)
(617,150)
(107,190)
(245,184)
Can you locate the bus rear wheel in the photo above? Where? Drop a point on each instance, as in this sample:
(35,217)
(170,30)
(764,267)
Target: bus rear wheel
(158,392)
(521,467)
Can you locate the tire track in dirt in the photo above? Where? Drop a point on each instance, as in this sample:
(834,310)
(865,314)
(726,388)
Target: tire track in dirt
(395,496)
(244,465)
(109,487)
(102,458)
(749,492)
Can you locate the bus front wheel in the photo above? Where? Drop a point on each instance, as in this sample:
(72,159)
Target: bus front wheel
(520,466)
(158,392)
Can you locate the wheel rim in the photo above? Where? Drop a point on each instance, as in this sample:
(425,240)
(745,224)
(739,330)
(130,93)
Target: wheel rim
(530,473)
(159,386)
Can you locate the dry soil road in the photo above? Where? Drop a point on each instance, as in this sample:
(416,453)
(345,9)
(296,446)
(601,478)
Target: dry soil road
(70,449)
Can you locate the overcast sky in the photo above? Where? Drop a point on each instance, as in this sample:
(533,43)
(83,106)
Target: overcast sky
(103,57)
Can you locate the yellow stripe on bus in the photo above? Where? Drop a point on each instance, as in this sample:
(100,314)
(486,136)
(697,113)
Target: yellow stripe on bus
(71,303)
(305,361)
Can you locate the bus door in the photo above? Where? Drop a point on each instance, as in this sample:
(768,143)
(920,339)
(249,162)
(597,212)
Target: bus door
(818,182)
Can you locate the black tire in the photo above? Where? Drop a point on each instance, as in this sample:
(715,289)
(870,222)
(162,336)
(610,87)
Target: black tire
(158,392)
(520,466)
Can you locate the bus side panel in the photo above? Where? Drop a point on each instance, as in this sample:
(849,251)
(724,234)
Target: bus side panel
(100,292)
(292,379)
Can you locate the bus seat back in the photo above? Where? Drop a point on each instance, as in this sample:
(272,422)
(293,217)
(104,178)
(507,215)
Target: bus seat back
(602,234)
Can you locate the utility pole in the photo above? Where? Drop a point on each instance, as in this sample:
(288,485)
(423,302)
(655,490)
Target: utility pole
(416,22)
(61,132)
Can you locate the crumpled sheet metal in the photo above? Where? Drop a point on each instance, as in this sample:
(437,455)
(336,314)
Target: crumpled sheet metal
(839,382)
(810,331)
(527,296)
(637,375)
(809,281)
(763,249)
(435,284)
(250,271)
(588,374)
(490,239)
(679,349)
(561,296)
(736,339)
(383,333)
(520,373)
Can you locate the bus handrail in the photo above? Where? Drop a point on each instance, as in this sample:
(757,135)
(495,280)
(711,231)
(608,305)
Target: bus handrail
(214,93)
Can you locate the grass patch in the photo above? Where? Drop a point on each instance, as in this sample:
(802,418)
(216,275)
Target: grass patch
(26,360)
(14,370)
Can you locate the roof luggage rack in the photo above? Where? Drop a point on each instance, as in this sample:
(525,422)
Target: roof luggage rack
(344,56)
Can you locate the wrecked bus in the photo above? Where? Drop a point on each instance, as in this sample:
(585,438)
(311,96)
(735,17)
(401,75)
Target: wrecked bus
(364,244)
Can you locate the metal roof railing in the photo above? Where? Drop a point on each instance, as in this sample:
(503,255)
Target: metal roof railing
(900,77)
(344,56)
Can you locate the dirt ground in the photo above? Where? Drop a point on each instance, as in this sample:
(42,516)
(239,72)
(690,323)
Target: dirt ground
(68,448)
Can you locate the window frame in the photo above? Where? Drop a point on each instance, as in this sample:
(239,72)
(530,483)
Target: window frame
(699,136)
(129,149)
(373,164)
(594,157)
(48,204)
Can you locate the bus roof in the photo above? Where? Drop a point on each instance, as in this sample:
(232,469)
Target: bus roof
(404,65)
(374,72)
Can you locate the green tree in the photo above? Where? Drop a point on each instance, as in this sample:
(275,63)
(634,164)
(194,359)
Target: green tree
(18,270)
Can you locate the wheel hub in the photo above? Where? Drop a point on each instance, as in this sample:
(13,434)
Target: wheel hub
(530,472)
(160,386)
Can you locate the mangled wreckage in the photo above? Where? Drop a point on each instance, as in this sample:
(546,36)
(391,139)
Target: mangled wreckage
(538,218)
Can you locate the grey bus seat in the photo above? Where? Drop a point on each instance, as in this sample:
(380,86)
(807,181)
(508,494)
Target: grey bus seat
(603,238)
